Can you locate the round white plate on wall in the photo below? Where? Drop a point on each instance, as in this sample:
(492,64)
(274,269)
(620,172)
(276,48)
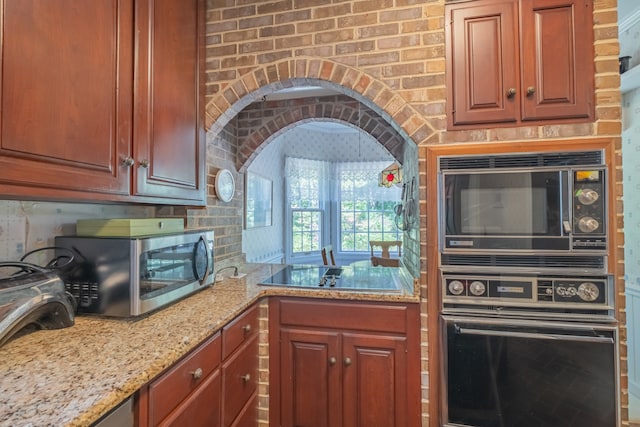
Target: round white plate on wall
(225,185)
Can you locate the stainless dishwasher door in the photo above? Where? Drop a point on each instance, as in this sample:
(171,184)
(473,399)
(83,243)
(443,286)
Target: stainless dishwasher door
(121,416)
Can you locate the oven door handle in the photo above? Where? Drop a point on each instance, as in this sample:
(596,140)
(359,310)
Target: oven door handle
(534,335)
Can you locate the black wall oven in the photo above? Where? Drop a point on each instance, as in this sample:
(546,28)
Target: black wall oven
(529,374)
(529,351)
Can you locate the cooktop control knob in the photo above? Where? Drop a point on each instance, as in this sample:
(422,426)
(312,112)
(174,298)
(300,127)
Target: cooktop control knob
(477,288)
(588,196)
(588,291)
(456,287)
(587,224)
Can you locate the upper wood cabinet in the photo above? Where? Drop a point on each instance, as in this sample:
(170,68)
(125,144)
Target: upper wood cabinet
(100,100)
(67,79)
(168,131)
(510,61)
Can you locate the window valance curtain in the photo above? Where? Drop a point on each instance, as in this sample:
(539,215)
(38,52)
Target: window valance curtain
(358,181)
(307,182)
(310,183)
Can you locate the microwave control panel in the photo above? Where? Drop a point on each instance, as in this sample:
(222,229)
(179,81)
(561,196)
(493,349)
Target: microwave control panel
(589,209)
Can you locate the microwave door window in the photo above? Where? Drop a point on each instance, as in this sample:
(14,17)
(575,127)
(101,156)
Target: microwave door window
(163,270)
(503,211)
(515,204)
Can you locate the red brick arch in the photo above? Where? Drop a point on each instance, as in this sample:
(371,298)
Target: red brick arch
(362,87)
(284,115)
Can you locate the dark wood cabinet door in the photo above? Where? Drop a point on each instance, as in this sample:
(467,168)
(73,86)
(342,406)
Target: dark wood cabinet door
(310,372)
(482,62)
(169,142)
(66,86)
(557,57)
(375,380)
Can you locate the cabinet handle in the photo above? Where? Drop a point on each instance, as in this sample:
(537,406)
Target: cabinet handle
(197,374)
(144,163)
(531,90)
(246,329)
(511,92)
(246,378)
(127,161)
(347,361)
(332,361)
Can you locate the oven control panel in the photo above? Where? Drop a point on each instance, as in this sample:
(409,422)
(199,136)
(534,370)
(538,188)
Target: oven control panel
(532,293)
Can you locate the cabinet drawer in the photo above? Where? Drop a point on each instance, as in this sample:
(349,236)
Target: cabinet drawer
(248,417)
(172,387)
(200,409)
(240,330)
(239,380)
(348,315)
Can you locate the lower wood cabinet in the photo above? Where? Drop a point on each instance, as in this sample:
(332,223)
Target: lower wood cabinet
(214,385)
(240,371)
(344,364)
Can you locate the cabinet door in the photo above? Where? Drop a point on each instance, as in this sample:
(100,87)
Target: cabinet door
(482,62)
(375,380)
(310,378)
(557,57)
(169,142)
(66,86)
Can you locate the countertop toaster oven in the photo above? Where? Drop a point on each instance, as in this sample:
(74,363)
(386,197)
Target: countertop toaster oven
(131,276)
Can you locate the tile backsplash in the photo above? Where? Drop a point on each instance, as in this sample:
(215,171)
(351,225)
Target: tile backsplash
(29,225)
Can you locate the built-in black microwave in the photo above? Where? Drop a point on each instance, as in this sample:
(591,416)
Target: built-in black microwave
(532,203)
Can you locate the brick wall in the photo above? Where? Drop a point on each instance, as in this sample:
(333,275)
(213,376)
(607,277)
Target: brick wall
(389,55)
(262,120)
(226,219)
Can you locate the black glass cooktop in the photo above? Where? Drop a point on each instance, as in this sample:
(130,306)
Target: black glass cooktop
(378,279)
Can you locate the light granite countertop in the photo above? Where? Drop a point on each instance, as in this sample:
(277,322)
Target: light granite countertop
(73,376)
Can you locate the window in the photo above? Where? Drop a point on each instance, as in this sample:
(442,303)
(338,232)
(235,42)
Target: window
(306,201)
(363,211)
(366,211)
(306,230)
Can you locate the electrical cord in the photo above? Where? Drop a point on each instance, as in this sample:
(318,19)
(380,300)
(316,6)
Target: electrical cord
(235,271)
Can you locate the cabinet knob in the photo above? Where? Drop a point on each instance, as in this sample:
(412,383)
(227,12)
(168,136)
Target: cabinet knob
(246,378)
(144,163)
(332,361)
(531,90)
(128,161)
(347,361)
(511,92)
(246,329)
(197,374)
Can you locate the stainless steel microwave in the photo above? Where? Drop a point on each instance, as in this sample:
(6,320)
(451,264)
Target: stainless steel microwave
(532,203)
(123,277)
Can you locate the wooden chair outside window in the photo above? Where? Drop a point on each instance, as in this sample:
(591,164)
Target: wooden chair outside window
(385,260)
(327,255)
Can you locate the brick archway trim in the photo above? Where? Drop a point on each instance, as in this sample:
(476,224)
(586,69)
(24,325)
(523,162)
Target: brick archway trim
(340,109)
(226,104)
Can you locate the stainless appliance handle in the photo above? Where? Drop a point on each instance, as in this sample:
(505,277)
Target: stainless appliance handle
(534,335)
(201,276)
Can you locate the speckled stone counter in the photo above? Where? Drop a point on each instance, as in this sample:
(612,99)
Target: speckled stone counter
(73,376)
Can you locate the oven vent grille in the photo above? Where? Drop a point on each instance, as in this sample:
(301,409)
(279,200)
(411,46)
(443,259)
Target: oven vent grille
(525,261)
(522,160)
